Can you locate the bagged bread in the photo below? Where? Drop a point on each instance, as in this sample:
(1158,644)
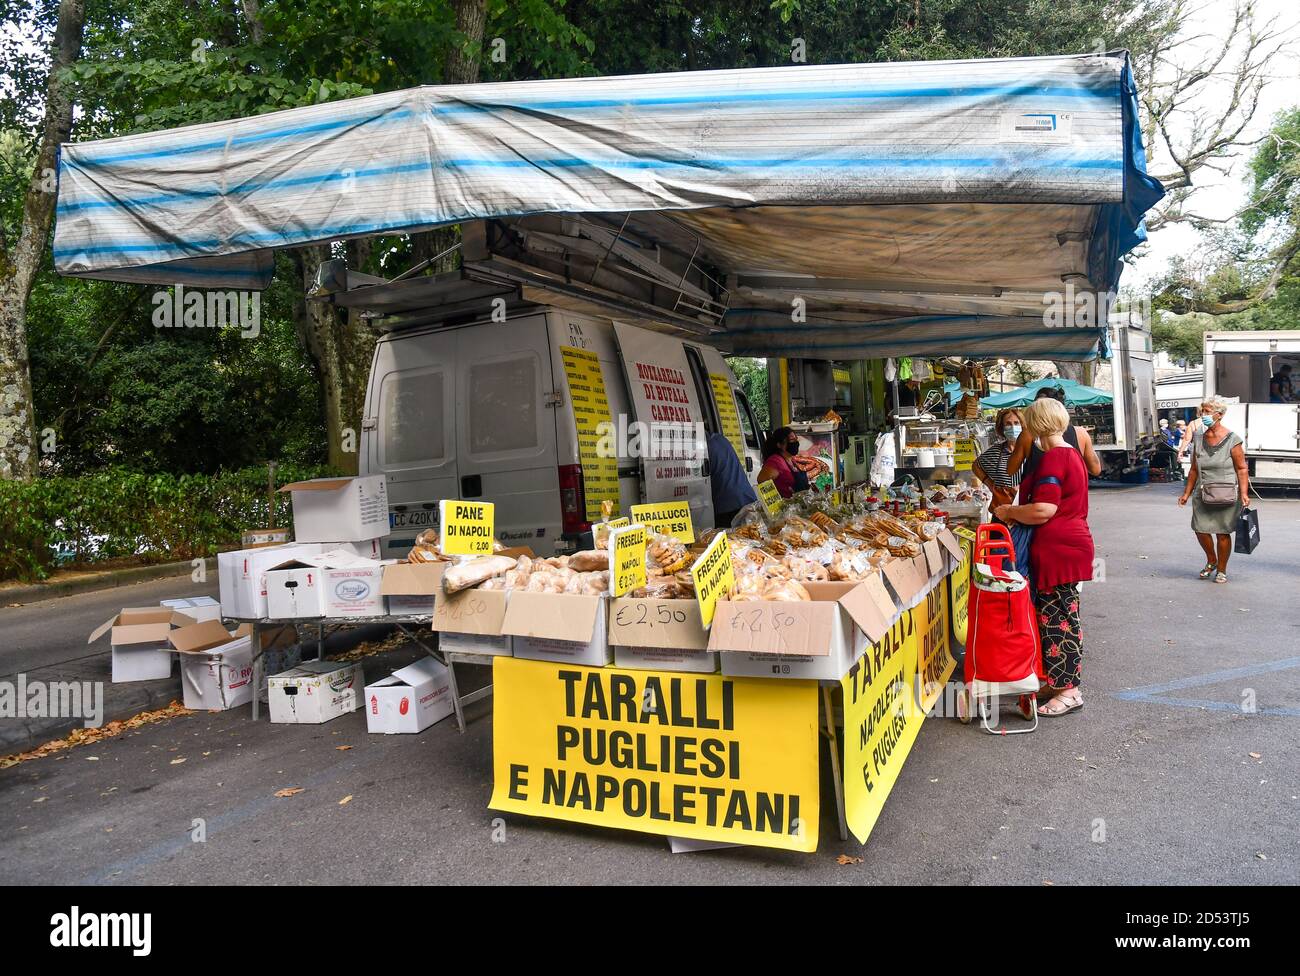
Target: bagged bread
(589,560)
(474,571)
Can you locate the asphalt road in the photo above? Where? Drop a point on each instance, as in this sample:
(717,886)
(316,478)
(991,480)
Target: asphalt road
(1153,783)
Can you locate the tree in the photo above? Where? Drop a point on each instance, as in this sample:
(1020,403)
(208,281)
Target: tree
(21,261)
(751,374)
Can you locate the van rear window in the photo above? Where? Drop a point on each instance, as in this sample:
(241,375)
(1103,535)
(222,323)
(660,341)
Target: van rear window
(503,405)
(411,405)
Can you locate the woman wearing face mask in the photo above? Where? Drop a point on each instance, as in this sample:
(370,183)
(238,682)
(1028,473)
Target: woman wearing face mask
(778,462)
(1219,486)
(991,466)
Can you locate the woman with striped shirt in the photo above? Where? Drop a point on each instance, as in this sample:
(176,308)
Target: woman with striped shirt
(991,466)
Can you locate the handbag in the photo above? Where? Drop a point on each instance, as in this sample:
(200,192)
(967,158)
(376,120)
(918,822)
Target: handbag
(1218,496)
(1247,531)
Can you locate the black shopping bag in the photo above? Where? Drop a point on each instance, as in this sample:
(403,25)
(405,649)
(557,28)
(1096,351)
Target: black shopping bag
(1247,531)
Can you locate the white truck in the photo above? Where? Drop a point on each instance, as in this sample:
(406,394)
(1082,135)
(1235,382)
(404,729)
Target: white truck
(1239,367)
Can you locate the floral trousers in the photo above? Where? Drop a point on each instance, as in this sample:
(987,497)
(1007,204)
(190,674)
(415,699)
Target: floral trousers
(1062,637)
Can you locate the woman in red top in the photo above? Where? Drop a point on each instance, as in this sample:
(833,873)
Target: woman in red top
(1054,498)
(778,462)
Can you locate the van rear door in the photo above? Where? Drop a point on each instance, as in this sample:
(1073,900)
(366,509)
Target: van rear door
(410,436)
(665,393)
(506,395)
(735,415)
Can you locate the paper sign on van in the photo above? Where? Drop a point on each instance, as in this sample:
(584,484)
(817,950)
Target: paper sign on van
(667,518)
(627,559)
(713,576)
(467,527)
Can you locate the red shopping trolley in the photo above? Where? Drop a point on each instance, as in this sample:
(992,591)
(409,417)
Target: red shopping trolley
(1003,652)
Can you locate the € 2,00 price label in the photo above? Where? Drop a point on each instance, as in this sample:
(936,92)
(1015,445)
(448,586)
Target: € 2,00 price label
(467,527)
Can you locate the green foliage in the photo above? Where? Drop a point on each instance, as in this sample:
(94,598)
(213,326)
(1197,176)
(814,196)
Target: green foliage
(118,512)
(751,374)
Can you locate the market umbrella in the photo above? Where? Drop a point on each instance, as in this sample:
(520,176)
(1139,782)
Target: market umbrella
(1076,395)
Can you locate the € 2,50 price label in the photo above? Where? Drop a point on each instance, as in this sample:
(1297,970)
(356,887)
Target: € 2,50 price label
(467,527)
(666,518)
(626,559)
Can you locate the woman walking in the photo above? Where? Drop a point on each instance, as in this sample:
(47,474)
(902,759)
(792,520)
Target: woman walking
(1219,486)
(1054,499)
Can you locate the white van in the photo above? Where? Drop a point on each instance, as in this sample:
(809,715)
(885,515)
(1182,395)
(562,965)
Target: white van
(1239,367)
(487,410)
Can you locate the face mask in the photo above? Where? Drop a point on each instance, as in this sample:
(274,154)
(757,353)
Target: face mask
(1208,421)
(1013,432)
(792,447)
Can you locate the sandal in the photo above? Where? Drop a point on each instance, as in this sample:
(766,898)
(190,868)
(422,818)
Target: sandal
(1208,571)
(1048,710)
(1221,578)
(1025,706)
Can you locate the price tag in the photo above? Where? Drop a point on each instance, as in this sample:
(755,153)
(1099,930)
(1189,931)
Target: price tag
(713,576)
(467,527)
(626,559)
(964,456)
(770,497)
(601,530)
(667,518)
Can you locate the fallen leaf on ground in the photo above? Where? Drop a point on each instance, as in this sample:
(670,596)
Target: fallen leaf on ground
(848,859)
(82,737)
(177,762)
(290,791)
(1253,755)
(346,800)
(40,799)
(342,748)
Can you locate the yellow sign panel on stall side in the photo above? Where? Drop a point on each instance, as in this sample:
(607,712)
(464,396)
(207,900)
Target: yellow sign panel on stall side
(727,415)
(934,660)
(964,456)
(770,496)
(626,559)
(467,527)
(685,755)
(713,576)
(881,722)
(959,587)
(667,518)
(590,410)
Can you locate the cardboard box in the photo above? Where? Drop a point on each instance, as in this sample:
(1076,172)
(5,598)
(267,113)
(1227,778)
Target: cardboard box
(499,646)
(198,607)
(331,584)
(665,659)
(471,611)
(561,627)
(326,509)
(314,692)
(242,575)
(818,638)
(216,665)
(412,588)
(410,699)
(139,640)
(643,622)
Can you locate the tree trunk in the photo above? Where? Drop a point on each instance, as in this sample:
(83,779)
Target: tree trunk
(341,346)
(462,64)
(19,267)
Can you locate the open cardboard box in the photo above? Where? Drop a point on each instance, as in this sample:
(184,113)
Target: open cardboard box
(216,665)
(412,588)
(563,627)
(474,611)
(140,643)
(646,622)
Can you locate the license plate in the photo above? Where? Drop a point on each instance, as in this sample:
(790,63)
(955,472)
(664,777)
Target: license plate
(412,520)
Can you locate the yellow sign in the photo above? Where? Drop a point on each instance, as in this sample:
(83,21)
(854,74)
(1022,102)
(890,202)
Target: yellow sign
(959,587)
(965,454)
(590,412)
(667,518)
(601,530)
(770,496)
(467,527)
(881,722)
(934,660)
(727,415)
(686,755)
(626,559)
(713,577)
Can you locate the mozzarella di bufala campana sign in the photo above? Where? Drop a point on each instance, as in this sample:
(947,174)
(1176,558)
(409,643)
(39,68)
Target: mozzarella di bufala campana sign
(685,755)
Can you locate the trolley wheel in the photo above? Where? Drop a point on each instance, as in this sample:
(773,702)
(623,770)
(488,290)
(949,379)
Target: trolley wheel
(963,707)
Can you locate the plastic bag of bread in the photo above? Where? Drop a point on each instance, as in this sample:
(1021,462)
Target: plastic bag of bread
(665,555)
(427,548)
(589,560)
(474,571)
(785,590)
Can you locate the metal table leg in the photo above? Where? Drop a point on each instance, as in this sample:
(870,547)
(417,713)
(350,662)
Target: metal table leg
(259,667)
(828,708)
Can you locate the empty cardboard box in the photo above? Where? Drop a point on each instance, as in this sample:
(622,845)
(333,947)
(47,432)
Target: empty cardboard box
(411,589)
(330,509)
(561,627)
(410,699)
(216,665)
(314,692)
(140,642)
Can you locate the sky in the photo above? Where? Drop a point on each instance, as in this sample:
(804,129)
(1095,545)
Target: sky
(1223,194)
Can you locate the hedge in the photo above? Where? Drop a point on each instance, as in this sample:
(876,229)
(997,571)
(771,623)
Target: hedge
(117,513)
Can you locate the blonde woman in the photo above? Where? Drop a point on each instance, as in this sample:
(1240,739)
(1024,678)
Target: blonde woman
(1054,499)
(1219,486)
